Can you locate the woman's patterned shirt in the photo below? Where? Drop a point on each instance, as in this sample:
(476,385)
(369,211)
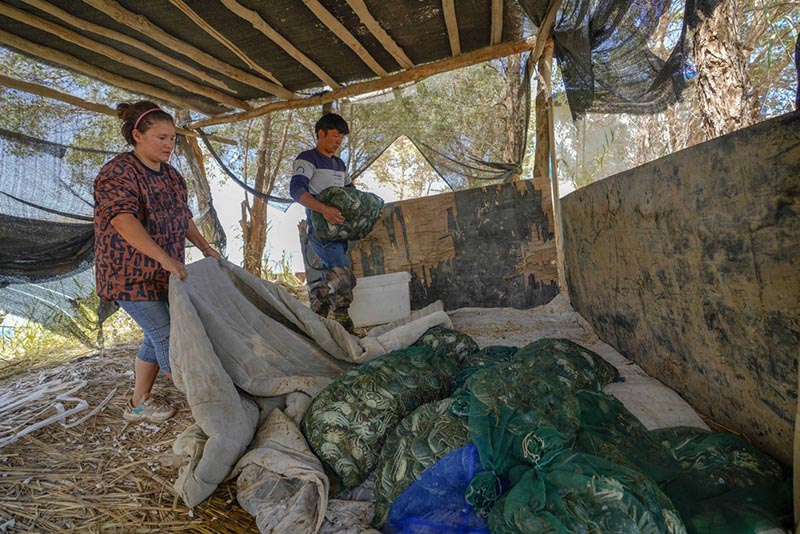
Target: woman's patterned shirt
(159,200)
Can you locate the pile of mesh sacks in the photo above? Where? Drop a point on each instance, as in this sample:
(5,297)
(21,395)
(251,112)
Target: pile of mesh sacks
(509,440)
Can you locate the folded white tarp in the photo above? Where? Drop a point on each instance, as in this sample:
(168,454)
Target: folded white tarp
(235,340)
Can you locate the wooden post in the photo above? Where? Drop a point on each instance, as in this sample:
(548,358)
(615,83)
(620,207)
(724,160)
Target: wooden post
(545,163)
(329,107)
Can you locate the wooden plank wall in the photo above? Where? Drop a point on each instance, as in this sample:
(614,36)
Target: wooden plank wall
(490,247)
(690,266)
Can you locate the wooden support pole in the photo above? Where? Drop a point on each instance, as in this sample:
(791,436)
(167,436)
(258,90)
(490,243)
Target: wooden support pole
(261,25)
(394,80)
(46,92)
(341,31)
(154,33)
(497,22)
(451,23)
(399,55)
(222,39)
(119,57)
(71,62)
(90,27)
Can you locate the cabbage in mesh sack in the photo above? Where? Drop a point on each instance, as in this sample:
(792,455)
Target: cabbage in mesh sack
(435,504)
(575,365)
(417,443)
(451,342)
(610,431)
(517,415)
(347,422)
(360,210)
(724,484)
(583,493)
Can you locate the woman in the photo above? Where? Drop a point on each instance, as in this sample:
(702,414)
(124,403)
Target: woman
(141,222)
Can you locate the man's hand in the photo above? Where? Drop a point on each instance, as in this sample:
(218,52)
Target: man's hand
(332,214)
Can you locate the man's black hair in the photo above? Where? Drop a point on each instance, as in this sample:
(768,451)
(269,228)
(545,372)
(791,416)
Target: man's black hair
(331,121)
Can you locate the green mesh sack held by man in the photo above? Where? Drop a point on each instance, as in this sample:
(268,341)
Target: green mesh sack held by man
(360,210)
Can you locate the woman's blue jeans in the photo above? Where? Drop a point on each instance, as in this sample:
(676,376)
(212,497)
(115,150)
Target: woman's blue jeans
(153,317)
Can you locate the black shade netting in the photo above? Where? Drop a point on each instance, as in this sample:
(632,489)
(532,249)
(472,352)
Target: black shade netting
(602,50)
(464,148)
(232,170)
(47,233)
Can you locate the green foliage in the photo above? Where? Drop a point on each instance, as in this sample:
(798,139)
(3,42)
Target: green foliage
(34,345)
(280,270)
(403,168)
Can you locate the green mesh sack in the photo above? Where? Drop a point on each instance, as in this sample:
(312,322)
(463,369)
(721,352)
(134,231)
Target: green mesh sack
(610,431)
(419,441)
(359,209)
(580,493)
(516,416)
(577,366)
(487,356)
(724,484)
(447,341)
(347,422)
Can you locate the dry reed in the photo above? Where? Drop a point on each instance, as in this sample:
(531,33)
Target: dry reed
(104,474)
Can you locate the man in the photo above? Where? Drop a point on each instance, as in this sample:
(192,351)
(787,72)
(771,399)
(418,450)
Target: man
(314,171)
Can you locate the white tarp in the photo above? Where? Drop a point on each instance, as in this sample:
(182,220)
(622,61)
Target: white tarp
(235,340)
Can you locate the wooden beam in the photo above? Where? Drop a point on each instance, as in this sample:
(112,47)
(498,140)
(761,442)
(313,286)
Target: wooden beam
(47,92)
(219,37)
(450,20)
(90,27)
(497,22)
(119,57)
(71,62)
(344,34)
(151,32)
(261,25)
(407,76)
(360,9)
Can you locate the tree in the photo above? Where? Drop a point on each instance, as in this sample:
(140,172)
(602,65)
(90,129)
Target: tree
(726,95)
(404,169)
(269,158)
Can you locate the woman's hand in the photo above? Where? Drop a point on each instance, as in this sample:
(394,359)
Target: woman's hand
(211,251)
(175,267)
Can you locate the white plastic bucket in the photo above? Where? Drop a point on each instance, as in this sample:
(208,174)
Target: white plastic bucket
(381,299)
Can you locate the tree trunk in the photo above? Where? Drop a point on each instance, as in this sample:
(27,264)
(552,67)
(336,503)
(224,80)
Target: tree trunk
(541,162)
(206,219)
(512,149)
(728,101)
(254,230)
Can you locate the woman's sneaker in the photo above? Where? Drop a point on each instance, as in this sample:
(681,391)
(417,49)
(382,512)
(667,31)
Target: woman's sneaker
(148,410)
